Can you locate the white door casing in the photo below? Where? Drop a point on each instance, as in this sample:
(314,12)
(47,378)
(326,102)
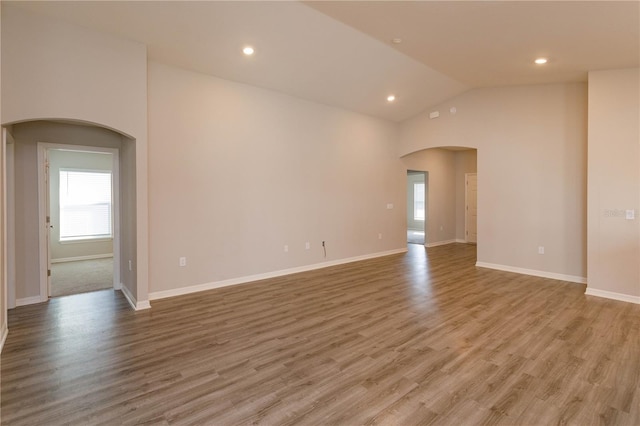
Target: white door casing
(471,207)
(43,210)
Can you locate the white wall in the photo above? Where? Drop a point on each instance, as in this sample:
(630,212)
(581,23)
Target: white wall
(54,70)
(63,159)
(236,173)
(531,165)
(614,182)
(3,235)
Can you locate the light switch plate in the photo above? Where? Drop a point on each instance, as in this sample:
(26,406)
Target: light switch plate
(630,214)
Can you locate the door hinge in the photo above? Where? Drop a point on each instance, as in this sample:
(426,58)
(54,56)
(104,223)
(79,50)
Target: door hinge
(48,219)
(48,272)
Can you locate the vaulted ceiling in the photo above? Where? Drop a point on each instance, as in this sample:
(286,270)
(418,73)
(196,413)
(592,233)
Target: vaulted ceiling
(341,53)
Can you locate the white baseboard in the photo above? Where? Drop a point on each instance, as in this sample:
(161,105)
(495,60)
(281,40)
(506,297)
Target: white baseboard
(29,301)
(612,295)
(250,278)
(137,306)
(533,272)
(3,336)
(75,259)
(444,243)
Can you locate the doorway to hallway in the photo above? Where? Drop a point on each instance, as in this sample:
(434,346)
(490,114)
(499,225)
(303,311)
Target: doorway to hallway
(417,182)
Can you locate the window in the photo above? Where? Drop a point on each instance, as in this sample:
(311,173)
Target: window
(418,201)
(85,205)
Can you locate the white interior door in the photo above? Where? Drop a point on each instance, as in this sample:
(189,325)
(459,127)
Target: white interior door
(47,206)
(471,196)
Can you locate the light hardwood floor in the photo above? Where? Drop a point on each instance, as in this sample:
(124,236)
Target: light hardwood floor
(402,340)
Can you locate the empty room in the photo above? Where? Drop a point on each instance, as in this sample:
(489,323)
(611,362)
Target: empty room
(331,212)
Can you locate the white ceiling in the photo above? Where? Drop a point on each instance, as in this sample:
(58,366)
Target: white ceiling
(340,54)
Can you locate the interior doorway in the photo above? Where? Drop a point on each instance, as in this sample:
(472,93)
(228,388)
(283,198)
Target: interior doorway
(417,188)
(79,207)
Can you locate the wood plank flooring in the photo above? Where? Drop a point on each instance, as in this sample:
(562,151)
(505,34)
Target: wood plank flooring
(417,338)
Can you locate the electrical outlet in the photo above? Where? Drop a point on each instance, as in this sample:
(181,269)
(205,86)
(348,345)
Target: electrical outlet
(379,236)
(286,248)
(540,250)
(307,246)
(183,261)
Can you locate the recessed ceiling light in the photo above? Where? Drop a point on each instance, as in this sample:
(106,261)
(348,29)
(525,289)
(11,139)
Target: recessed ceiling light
(396,40)
(248,50)
(391,98)
(541,61)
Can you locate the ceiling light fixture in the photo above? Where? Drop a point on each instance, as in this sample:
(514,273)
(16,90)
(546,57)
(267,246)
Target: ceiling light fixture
(391,98)
(541,61)
(396,40)
(248,51)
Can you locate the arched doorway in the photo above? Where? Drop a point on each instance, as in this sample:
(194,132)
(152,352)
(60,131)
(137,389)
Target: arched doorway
(27,264)
(448,169)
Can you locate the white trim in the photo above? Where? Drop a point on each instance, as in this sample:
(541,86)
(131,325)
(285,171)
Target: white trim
(533,272)
(43,230)
(138,306)
(9,212)
(3,336)
(30,301)
(612,295)
(4,261)
(77,258)
(444,243)
(466,206)
(250,278)
(86,240)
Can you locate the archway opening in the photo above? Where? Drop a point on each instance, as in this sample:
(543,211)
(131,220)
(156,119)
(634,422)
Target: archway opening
(449,171)
(27,249)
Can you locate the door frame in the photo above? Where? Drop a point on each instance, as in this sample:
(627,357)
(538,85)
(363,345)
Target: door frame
(466,206)
(43,191)
(425,175)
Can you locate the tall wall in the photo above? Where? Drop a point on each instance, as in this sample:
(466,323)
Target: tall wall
(54,70)
(614,182)
(531,165)
(3,234)
(236,173)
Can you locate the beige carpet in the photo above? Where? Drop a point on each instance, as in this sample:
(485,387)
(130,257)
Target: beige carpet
(415,237)
(81,276)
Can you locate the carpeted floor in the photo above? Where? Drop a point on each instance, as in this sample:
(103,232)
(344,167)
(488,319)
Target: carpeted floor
(81,276)
(415,237)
